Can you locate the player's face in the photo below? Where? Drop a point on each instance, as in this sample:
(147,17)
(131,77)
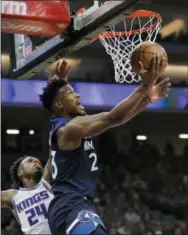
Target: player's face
(30,166)
(70,101)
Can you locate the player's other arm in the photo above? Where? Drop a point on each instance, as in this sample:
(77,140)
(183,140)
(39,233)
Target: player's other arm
(6,198)
(155,93)
(47,172)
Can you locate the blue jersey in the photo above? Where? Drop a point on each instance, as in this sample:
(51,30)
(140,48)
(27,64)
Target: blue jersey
(73,172)
(74,179)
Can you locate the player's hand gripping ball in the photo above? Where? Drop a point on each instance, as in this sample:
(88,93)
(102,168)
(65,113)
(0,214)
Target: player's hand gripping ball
(149,60)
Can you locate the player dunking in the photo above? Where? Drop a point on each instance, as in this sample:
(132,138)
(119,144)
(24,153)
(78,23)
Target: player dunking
(73,157)
(29,204)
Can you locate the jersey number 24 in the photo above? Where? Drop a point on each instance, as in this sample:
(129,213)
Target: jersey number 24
(94,166)
(34,213)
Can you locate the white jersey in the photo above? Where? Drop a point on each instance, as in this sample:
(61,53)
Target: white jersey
(31,207)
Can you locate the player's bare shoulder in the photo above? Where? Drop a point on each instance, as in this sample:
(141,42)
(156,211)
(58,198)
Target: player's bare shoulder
(69,136)
(6,198)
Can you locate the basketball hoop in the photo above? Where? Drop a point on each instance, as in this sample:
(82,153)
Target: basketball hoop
(138,27)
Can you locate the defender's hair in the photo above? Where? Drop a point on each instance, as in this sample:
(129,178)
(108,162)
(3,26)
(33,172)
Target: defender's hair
(49,93)
(14,172)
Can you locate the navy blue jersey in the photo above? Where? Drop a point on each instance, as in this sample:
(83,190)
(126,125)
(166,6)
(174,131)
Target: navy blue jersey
(73,172)
(75,175)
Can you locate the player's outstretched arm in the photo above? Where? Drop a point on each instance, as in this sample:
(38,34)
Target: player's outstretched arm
(47,172)
(6,198)
(69,137)
(157,91)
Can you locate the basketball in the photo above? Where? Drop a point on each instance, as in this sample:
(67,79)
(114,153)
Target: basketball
(144,53)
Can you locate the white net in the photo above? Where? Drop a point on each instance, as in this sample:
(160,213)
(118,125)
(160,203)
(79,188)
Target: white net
(119,45)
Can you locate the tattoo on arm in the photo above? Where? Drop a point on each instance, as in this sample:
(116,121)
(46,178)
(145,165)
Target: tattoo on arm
(143,104)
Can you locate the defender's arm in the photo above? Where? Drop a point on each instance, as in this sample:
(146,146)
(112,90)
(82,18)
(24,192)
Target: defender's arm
(6,198)
(61,71)
(47,172)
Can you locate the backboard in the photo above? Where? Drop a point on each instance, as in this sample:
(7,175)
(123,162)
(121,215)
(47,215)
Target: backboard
(33,54)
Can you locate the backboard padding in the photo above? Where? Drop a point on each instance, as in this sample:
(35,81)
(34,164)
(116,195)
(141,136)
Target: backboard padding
(63,45)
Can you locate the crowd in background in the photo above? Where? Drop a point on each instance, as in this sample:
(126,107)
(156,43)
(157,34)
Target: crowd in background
(141,192)
(144,192)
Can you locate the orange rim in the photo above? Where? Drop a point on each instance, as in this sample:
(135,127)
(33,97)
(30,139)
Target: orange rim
(139,13)
(144,13)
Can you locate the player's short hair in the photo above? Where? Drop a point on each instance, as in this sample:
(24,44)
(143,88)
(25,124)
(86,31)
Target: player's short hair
(49,93)
(14,172)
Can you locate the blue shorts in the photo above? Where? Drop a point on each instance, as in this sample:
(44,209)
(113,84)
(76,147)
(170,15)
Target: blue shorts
(81,219)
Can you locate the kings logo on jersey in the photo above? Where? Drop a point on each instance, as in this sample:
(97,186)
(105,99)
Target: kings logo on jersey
(31,206)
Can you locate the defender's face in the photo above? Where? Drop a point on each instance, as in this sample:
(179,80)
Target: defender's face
(69,101)
(30,166)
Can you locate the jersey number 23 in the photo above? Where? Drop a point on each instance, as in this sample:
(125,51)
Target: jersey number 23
(92,156)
